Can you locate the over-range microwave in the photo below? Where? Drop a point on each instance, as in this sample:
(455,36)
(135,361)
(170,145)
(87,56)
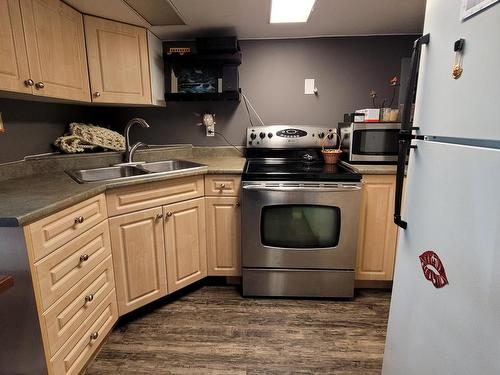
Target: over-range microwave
(370,142)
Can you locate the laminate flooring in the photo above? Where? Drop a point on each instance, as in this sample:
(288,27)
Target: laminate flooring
(213,330)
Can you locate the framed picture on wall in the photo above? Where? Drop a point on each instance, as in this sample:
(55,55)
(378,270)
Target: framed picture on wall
(471,7)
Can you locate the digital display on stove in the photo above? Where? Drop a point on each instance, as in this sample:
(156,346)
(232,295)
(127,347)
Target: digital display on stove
(291,133)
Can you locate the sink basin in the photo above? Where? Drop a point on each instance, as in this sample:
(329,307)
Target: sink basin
(108,173)
(130,171)
(168,166)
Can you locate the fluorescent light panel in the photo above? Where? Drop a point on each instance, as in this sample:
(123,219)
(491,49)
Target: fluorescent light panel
(287,11)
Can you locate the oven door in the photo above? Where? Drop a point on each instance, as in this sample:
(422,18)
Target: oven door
(300,225)
(374,142)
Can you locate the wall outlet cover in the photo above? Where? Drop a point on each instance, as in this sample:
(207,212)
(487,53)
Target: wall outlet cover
(309,86)
(210,130)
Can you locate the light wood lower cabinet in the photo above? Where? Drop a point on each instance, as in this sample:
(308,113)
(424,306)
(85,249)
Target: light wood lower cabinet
(139,258)
(223,236)
(377,232)
(185,242)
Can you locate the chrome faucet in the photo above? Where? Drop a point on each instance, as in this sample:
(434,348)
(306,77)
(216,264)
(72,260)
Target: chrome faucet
(128,156)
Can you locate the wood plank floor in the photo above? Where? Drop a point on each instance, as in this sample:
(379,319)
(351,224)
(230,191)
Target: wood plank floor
(213,330)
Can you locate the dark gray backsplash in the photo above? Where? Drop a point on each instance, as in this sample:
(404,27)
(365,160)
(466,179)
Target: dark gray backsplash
(272,76)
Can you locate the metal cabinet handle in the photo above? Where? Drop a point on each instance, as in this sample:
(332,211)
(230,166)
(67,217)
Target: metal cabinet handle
(94,335)
(169,214)
(238,204)
(79,220)
(97,94)
(84,258)
(222,186)
(158,216)
(29,82)
(39,85)
(89,298)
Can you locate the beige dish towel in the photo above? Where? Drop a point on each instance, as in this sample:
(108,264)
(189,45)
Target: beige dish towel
(88,137)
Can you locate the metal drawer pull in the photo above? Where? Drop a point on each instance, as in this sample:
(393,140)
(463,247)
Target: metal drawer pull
(39,85)
(89,298)
(238,204)
(84,258)
(79,220)
(169,214)
(94,335)
(29,82)
(222,186)
(97,94)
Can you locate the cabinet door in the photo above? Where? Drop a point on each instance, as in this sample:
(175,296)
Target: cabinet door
(56,49)
(118,62)
(139,258)
(14,69)
(377,231)
(223,236)
(185,242)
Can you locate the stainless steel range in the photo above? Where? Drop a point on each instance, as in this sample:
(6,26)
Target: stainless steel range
(300,216)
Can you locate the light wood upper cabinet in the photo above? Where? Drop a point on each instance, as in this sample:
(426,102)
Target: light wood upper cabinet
(14,70)
(139,258)
(56,49)
(223,236)
(185,242)
(377,231)
(118,62)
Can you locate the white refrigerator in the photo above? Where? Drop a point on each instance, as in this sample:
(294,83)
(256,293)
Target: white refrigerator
(445,308)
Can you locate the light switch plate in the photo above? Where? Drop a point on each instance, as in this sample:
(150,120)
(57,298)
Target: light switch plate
(309,86)
(2,129)
(210,130)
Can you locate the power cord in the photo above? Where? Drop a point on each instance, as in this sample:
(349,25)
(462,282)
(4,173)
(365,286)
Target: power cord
(249,103)
(229,143)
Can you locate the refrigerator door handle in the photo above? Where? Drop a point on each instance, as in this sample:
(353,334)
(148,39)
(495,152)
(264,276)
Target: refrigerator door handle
(405,134)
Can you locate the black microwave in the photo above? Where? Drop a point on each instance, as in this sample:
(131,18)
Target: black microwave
(376,142)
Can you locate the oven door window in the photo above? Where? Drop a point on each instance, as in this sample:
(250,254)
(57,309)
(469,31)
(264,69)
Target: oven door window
(375,142)
(300,226)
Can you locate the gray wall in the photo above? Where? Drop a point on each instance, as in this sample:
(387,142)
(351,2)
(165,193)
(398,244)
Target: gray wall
(271,75)
(32,127)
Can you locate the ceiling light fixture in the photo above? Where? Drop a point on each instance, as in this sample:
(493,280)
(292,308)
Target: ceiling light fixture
(287,11)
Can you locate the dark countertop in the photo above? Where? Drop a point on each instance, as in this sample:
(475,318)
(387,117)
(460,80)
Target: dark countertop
(26,199)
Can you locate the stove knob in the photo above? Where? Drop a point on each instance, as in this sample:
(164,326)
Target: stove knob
(262,135)
(253,136)
(330,135)
(270,135)
(321,135)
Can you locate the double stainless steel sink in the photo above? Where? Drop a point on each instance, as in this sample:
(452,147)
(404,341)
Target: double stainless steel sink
(128,171)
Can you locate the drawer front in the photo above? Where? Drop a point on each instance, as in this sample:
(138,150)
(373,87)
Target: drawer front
(62,269)
(139,197)
(73,356)
(67,314)
(54,231)
(221,185)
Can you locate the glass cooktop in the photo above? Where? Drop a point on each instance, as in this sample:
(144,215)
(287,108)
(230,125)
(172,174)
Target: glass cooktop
(297,170)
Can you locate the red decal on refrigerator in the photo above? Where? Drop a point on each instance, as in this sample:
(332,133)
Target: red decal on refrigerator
(433,269)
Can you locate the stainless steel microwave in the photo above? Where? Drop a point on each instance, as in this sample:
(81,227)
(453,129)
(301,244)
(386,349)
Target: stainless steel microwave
(370,142)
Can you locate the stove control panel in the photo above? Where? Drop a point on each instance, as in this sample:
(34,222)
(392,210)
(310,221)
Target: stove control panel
(289,136)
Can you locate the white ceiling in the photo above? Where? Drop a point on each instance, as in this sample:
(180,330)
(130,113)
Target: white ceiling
(249,19)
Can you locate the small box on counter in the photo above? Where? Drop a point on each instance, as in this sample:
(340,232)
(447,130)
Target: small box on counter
(367,115)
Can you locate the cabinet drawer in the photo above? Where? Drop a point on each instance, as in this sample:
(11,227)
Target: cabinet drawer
(67,314)
(222,185)
(54,231)
(62,269)
(73,356)
(139,197)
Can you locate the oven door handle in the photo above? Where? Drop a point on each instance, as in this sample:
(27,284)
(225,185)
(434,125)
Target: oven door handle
(301,188)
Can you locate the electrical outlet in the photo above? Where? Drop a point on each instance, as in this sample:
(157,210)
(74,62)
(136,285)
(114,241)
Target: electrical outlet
(2,129)
(210,130)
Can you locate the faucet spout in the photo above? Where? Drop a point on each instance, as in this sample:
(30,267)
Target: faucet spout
(129,150)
